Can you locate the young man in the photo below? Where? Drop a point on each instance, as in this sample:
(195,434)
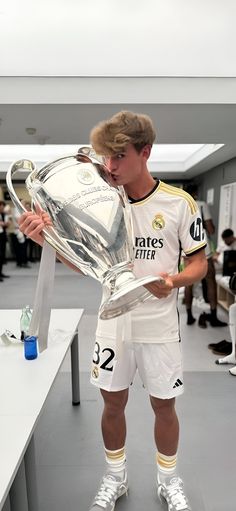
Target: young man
(166,221)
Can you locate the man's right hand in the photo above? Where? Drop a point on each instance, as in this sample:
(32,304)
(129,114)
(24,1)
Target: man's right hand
(32,225)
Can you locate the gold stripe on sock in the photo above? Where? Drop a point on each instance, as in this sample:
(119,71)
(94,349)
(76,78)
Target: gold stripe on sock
(165,462)
(115,455)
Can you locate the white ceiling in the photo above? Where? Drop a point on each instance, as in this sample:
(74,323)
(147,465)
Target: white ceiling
(65,66)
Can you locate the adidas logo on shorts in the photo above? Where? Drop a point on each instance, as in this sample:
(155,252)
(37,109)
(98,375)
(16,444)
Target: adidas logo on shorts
(178,383)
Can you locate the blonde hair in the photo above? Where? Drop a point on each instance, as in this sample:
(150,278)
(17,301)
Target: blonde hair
(112,136)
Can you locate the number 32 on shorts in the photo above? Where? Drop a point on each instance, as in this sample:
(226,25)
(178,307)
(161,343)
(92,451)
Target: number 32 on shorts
(103,357)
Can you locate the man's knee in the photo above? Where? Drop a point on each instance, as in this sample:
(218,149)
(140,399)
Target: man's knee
(115,402)
(163,407)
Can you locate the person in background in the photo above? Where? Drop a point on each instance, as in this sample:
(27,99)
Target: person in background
(18,241)
(229,243)
(4,223)
(164,218)
(33,252)
(8,215)
(209,282)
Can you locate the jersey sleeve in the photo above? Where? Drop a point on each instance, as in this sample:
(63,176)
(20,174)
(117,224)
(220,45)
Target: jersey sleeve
(191,232)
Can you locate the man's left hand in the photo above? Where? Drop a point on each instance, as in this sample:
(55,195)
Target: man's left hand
(161,289)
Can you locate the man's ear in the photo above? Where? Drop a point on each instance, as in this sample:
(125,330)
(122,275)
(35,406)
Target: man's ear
(147,151)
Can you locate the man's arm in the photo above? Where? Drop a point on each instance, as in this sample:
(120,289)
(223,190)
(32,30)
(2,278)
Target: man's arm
(209,226)
(194,271)
(207,220)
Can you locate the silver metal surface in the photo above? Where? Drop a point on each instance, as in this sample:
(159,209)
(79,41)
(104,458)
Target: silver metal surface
(92,225)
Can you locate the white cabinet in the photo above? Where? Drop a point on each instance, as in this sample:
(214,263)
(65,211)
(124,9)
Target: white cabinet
(225,296)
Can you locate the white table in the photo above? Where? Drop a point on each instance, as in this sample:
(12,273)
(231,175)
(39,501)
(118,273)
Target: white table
(24,387)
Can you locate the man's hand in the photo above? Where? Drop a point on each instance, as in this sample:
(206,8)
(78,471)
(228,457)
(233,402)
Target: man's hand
(32,225)
(161,289)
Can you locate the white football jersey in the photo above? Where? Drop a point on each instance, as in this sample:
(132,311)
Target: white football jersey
(165,223)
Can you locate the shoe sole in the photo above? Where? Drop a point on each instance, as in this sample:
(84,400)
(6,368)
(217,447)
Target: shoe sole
(219,345)
(226,352)
(218,326)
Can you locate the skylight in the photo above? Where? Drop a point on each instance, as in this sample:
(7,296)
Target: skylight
(164,157)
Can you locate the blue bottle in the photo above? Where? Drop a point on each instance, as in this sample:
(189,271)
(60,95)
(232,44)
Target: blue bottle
(30,347)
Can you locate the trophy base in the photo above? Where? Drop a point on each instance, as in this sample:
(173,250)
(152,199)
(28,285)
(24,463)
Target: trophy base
(127,298)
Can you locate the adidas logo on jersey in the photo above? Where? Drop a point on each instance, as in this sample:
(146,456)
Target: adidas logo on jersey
(178,383)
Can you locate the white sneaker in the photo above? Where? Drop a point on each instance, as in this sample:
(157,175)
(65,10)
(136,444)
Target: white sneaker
(173,494)
(233,371)
(110,490)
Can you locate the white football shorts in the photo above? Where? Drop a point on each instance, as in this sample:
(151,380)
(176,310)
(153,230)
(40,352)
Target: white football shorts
(159,366)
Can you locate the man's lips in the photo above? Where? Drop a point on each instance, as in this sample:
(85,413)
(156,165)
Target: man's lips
(114,176)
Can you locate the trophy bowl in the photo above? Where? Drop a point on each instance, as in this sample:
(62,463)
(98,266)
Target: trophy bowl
(91,225)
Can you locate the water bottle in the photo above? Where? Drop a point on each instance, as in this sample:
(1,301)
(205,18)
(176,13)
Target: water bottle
(25,319)
(30,347)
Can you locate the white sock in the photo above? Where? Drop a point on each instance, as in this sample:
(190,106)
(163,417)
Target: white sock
(116,462)
(166,467)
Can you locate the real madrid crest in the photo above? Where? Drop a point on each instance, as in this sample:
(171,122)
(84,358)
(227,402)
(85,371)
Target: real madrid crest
(95,372)
(158,222)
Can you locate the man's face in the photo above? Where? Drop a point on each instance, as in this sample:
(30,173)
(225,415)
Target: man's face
(125,167)
(229,240)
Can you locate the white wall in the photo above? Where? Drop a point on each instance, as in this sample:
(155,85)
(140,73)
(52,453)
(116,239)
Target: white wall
(118,38)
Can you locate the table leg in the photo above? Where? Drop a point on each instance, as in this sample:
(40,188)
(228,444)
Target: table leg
(30,474)
(74,351)
(18,491)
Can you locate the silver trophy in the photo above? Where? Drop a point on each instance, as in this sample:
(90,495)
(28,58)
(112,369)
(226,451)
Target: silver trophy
(91,225)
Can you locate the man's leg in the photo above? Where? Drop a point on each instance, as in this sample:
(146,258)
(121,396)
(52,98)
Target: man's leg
(212,294)
(113,419)
(166,429)
(166,432)
(188,298)
(114,483)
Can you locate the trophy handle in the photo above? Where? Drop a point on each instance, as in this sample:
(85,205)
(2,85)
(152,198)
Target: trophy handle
(17,165)
(50,235)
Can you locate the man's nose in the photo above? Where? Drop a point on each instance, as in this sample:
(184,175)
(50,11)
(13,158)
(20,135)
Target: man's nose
(110,163)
